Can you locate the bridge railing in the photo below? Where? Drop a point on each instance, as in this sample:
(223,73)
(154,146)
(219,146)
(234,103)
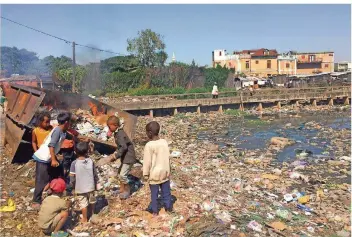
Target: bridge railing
(259,92)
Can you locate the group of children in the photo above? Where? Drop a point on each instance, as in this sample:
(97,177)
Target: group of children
(60,155)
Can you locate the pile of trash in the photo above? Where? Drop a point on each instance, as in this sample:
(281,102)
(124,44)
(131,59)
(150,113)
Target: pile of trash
(218,189)
(85,123)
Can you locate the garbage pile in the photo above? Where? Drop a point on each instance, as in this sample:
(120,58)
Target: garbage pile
(85,123)
(218,189)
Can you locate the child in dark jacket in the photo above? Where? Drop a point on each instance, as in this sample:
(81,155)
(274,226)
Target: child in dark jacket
(125,151)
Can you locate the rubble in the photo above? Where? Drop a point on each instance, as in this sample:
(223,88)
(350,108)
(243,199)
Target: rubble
(227,180)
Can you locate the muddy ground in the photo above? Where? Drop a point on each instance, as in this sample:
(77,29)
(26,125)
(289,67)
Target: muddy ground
(229,180)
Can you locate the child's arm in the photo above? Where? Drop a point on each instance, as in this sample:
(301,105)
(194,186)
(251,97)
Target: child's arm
(72,175)
(34,141)
(147,161)
(121,144)
(55,138)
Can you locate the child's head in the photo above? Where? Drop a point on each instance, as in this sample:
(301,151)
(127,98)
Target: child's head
(82,148)
(113,123)
(58,186)
(152,129)
(64,120)
(44,120)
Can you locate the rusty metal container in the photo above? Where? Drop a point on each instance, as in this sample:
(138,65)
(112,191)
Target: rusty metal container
(23,103)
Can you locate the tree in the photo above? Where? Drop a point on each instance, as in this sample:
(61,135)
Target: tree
(161,58)
(119,64)
(65,76)
(148,46)
(17,61)
(55,64)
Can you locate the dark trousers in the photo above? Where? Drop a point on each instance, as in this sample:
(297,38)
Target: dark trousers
(215,96)
(44,173)
(69,157)
(165,195)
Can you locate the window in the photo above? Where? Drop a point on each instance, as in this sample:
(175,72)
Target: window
(266,52)
(220,53)
(268,64)
(256,62)
(247,64)
(311,58)
(331,54)
(287,65)
(326,65)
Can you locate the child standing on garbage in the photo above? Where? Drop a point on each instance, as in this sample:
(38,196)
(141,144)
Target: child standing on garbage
(46,157)
(84,180)
(54,210)
(125,151)
(156,167)
(42,130)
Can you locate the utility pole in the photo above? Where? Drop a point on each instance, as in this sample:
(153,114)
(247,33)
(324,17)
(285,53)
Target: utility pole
(73,66)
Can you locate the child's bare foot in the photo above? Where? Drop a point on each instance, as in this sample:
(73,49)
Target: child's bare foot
(83,221)
(36,206)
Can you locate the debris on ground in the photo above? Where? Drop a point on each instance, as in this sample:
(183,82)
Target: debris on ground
(227,179)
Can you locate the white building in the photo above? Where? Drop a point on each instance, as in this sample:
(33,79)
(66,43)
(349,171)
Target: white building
(342,66)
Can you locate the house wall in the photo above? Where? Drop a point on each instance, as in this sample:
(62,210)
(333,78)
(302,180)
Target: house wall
(324,62)
(259,67)
(283,69)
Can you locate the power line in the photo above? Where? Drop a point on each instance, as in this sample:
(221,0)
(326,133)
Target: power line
(59,38)
(66,41)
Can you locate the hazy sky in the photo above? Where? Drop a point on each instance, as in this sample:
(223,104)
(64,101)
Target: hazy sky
(191,31)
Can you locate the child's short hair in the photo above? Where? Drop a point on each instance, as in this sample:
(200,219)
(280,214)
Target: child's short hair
(113,119)
(82,148)
(42,115)
(153,127)
(63,117)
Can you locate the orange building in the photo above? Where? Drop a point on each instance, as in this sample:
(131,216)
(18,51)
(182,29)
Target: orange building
(265,62)
(312,63)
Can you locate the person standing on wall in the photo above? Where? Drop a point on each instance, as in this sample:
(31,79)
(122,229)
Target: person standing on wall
(215,91)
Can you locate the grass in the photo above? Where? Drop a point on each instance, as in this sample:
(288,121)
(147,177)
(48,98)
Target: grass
(234,112)
(257,122)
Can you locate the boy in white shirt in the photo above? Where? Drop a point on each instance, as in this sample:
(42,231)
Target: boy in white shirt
(156,167)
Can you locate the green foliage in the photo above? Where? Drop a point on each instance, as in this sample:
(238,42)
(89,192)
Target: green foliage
(234,112)
(118,82)
(148,47)
(56,64)
(66,75)
(119,64)
(218,75)
(17,61)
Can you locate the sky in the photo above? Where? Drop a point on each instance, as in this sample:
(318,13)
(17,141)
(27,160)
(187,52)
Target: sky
(190,31)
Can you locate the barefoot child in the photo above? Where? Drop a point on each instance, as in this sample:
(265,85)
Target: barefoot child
(125,152)
(54,210)
(84,180)
(156,167)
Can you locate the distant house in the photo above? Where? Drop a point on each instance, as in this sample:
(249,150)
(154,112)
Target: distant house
(342,67)
(46,82)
